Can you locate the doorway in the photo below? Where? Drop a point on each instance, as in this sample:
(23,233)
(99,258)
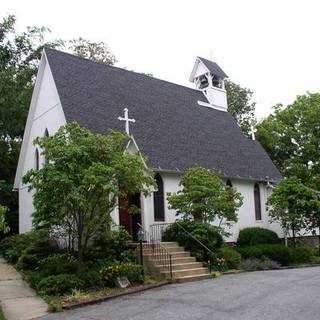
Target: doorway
(130,221)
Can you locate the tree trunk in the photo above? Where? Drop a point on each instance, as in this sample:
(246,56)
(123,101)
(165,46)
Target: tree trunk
(294,237)
(319,242)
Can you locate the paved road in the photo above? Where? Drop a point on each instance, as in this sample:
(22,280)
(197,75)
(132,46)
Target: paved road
(268,295)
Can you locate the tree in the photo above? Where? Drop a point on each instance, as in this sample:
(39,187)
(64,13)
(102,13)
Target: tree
(291,137)
(292,204)
(205,197)
(95,51)
(19,56)
(241,106)
(83,176)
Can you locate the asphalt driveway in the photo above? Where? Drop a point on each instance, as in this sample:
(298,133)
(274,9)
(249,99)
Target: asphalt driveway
(278,294)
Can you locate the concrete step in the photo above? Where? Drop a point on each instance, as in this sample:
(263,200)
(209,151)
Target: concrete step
(186,272)
(180,260)
(174,255)
(193,278)
(165,249)
(182,266)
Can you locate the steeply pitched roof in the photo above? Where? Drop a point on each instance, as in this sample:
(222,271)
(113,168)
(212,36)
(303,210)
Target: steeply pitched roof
(214,68)
(171,129)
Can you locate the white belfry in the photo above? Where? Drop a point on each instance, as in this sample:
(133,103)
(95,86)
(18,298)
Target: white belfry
(127,120)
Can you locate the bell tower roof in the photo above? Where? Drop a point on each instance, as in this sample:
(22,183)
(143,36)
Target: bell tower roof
(203,66)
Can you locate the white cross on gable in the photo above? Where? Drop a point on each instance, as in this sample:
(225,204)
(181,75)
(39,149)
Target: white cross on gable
(127,120)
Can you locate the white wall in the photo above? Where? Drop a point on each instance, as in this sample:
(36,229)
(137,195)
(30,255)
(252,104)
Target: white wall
(46,114)
(246,214)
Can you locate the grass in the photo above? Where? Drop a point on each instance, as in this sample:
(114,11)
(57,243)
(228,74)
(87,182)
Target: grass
(1,315)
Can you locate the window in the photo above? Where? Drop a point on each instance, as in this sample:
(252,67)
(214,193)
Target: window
(229,183)
(158,199)
(257,201)
(36,160)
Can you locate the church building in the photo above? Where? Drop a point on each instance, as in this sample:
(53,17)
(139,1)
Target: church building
(176,127)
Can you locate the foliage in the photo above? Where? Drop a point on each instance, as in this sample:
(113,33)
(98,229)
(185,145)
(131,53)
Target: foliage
(205,197)
(95,51)
(4,228)
(91,277)
(291,203)
(303,254)
(220,264)
(241,106)
(276,252)
(19,57)
(58,263)
(133,272)
(59,284)
(111,245)
(264,263)
(207,234)
(38,241)
(84,175)
(231,256)
(256,235)
(291,137)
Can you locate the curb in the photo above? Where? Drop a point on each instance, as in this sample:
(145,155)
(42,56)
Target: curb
(116,295)
(280,268)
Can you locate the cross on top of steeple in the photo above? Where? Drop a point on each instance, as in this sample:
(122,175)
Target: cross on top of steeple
(127,120)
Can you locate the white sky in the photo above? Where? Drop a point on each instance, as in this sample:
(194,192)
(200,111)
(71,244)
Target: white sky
(272,47)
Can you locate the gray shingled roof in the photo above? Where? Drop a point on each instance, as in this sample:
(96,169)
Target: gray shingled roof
(214,68)
(171,128)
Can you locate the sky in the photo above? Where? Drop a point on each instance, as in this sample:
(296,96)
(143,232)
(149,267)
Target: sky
(271,47)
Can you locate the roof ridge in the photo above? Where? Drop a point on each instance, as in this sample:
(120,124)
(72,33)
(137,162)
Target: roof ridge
(118,68)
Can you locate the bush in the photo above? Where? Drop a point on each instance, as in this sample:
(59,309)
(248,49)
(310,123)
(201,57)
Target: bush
(57,264)
(276,252)
(59,284)
(91,278)
(259,264)
(204,232)
(254,236)
(31,243)
(303,254)
(110,245)
(231,256)
(129,270)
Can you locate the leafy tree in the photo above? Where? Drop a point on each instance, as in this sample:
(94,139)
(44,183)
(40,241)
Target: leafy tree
(205,197)
(292,204)
(96,51)
(19,56)
(291,137)
(241,106)
(84,175)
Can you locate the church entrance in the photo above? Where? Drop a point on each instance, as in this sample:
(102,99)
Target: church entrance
(129,220)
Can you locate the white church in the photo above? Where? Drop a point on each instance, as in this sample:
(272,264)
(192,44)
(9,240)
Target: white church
(175,126)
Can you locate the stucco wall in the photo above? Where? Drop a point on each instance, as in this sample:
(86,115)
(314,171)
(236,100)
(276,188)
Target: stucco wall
(49,115)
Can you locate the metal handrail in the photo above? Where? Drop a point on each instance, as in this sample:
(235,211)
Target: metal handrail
(159,252)
(188,233)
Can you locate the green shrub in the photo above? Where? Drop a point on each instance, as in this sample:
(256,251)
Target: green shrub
(59,284)
(276,252)
(28,262)
(259,264)
(110,245)
(35,242)
(204,232)
(255,235)
(91,278)
(129,270)
(231,257)
(302,254)
(58,263)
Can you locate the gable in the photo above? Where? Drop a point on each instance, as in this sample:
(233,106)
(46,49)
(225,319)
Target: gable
(171,129)
(45,113)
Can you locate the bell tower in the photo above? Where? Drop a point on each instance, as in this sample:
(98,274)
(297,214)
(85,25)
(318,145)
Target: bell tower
(210,79)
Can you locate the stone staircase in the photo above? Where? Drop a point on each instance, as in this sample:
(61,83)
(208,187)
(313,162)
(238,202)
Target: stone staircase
(184,267)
